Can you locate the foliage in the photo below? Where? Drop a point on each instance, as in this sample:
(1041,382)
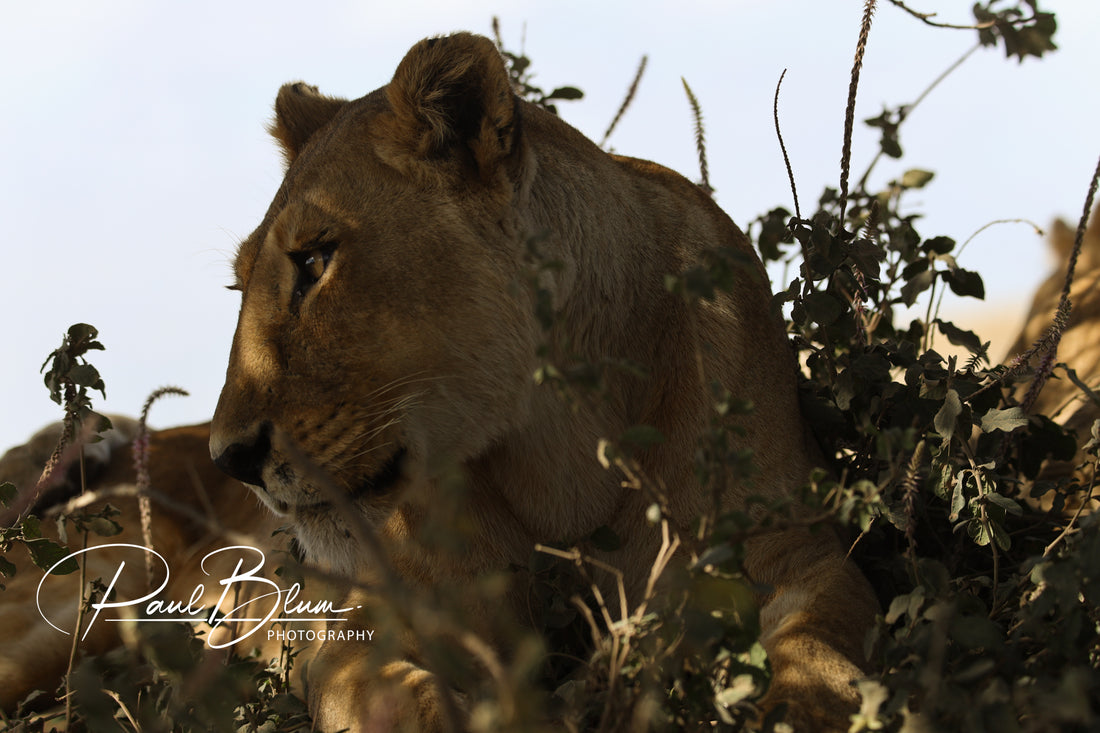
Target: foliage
(160,680)
(519,69)
(991,613)
(991,618)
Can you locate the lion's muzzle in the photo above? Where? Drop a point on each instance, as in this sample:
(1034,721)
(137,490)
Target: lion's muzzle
(244,460)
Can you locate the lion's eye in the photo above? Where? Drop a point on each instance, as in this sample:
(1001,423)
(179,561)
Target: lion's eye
(311,266)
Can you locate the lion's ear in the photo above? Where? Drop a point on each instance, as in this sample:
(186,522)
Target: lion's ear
(452,95)
(300,111)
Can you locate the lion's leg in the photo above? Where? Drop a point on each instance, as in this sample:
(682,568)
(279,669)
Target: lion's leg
(814,623)
(359,685)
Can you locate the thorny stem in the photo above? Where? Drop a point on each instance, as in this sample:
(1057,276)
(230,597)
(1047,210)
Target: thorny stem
(849,114)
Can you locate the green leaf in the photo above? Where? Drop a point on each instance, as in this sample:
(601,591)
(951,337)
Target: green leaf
(978,533)
(1004,420)
(891,147)
(965,283)
(939,245)
(565,93)
(822,308)
(958,497)
(1005,503)
(916,285)
(85,375)
(1000,536)
(32,528)
(977,632)
(948,414)
(104,527)
(868,257)
(46,554)
(80,338)
(899,607)
(7,568)
(8,492)
(916,178)
(967,339)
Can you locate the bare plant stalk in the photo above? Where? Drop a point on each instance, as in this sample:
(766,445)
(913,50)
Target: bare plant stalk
(79,619)
(69,429)
(783,147)
(1072,523)
(700,138)
(626,100)
(141,466)
(850,112)
(59,458)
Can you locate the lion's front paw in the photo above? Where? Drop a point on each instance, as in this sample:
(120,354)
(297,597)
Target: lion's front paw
(345,694)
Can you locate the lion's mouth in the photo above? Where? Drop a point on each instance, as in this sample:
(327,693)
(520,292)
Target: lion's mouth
(374,486)
(385,478)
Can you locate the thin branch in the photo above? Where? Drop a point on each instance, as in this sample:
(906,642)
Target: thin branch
(1072,523)
(926,18)
(905,110)
(782,146)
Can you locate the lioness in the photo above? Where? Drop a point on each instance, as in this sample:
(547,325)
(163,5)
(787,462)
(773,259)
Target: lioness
(38,613)
(1079,347)
(388,334)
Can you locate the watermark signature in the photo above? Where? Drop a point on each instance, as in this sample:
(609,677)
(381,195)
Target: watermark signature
(274,604)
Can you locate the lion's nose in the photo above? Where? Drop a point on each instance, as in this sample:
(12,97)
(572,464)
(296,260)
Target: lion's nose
(245,460)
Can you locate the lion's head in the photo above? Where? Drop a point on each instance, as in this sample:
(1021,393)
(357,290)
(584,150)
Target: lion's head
(382,322)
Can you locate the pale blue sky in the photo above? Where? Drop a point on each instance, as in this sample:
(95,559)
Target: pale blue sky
(135,155)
